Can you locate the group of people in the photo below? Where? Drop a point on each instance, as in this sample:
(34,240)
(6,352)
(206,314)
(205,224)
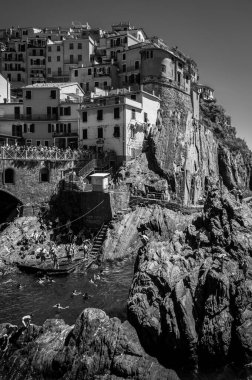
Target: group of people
(46,151)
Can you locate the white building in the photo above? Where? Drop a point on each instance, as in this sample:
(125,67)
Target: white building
(118,122)
(51,113)
(5,95)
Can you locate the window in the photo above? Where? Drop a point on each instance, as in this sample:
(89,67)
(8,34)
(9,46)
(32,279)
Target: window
(125,40)
(32,128)
(25,128)
(105,84)
(59,71)
(79,45)
(87,86)
(71,46)
(133,97)
(58,58)
(75,73)
(180,65)
(99,114)
(89,71)
(17,130)
(84,117)
(136,65)
(79,58)
(133,114)
(38,142)
(58,48)
(151,54)
(124,68)
(116,131)
(123,56)
(61,128)
(29,111)
(44,175)
(147,54)
(69,128)
(145,117)
(100,133)
(49,58)
(53,94)
(9,175)
(117,100)
(71,59)
(163,68)
(96,84)
(46,143)
(49,71)
(49,128)
(117,113)
(28,94)
(67,111)
(49,48)
(28,142)
(84,134)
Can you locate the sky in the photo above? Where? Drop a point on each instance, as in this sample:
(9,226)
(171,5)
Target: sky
(216,34)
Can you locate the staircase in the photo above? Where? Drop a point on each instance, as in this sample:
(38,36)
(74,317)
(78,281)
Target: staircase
(88,168)
(98,240)
(155,195)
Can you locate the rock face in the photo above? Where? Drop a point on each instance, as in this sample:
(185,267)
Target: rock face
(123,237)
(97,347)
(234,171)
(191,294)
(181,149)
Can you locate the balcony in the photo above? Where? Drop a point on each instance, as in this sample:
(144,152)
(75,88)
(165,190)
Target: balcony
(65,134)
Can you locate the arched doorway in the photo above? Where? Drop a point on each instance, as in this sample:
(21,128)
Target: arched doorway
(10,207)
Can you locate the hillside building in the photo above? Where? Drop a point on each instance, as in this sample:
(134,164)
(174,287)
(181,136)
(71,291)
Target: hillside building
(118,122)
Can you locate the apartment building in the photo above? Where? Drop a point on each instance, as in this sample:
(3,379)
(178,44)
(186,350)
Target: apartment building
(50,113)
(118,122)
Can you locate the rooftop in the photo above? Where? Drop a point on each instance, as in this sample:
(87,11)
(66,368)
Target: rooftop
(102,175)
(51,85)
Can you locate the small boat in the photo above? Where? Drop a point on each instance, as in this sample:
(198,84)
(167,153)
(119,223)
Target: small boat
(63,269)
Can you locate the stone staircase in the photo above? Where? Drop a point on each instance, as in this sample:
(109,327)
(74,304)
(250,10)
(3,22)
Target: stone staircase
(98,240)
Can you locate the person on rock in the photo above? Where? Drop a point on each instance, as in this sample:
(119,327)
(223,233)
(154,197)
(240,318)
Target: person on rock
(145,239)
(26,320)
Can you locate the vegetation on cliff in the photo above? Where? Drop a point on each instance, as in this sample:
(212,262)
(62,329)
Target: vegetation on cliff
(215,118)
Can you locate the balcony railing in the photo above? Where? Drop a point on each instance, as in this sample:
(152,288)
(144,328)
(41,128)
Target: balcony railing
(13,154)
(29,117)
(65,134)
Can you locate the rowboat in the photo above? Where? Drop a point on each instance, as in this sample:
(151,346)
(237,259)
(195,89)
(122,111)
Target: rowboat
(63,269)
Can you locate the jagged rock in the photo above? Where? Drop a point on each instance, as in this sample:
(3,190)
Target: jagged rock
(193,302)
(123,236)
(96,347)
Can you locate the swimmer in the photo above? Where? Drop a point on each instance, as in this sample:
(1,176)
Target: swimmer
(58,306)
(85,296)
(20,286)
(75,293)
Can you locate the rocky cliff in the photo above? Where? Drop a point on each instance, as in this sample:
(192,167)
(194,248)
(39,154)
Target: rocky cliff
(191,294)
(96,347)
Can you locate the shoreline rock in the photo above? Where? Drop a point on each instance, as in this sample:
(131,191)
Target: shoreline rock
(190,296)
(95,347)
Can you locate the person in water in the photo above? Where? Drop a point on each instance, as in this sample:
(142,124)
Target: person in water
(75,293)
(58,306)
(85,296)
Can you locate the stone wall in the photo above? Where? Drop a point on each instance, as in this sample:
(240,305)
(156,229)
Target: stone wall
(73,204)
(27,186)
